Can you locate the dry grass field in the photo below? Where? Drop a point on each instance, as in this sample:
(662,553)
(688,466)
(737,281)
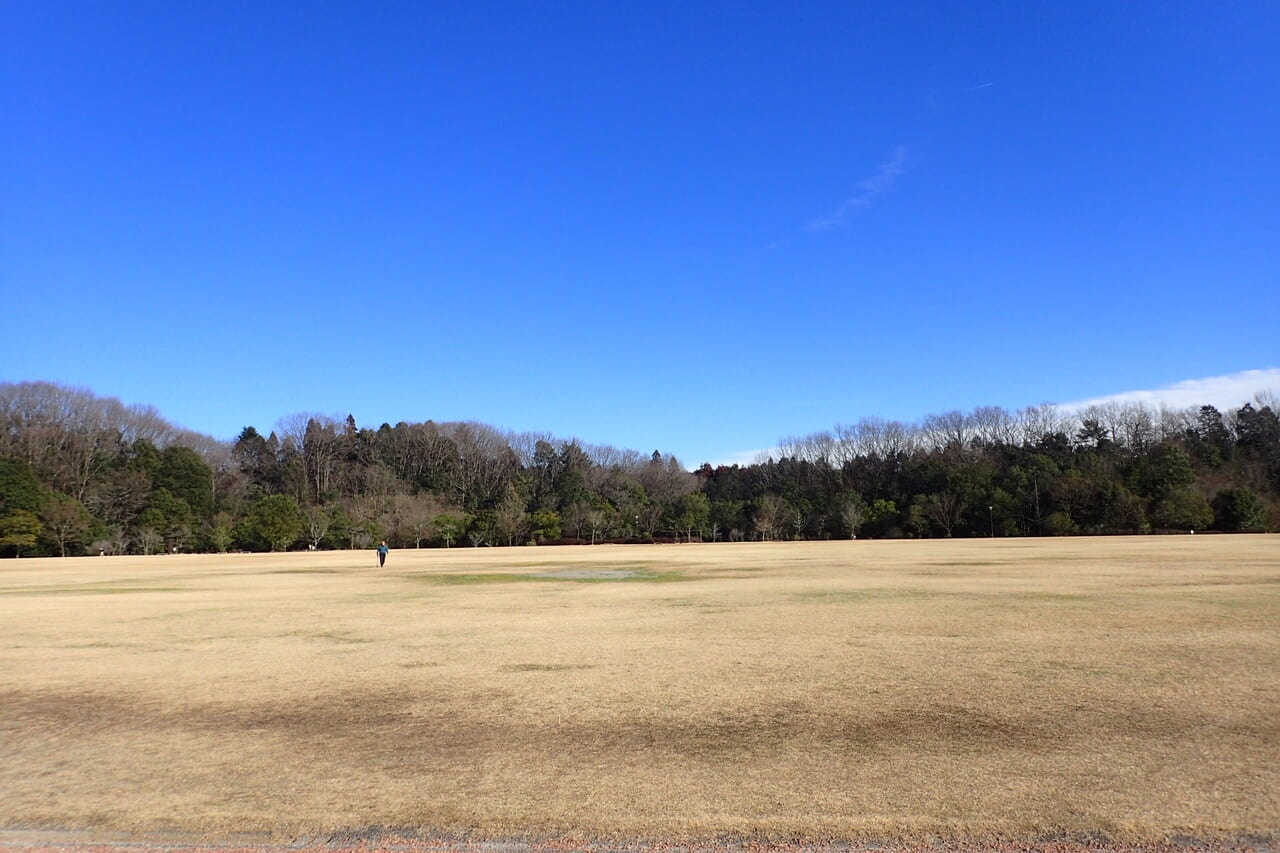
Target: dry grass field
(1119,688)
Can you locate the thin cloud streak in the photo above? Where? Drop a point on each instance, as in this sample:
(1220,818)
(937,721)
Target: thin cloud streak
(1221,392)
(868,188)
(1225,393)
(744,458)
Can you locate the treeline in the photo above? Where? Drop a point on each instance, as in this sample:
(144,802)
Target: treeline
(85,474)
(1113,468)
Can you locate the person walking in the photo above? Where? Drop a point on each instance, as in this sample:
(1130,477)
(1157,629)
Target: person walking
(382,553)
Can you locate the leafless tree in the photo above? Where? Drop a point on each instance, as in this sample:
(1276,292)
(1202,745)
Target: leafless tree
(852,512)
(149,540)
(1137,426)
(948,432)
(119,497)
(664,478)
(69,435)
(770,514)
(598,521)
(316,522)
(993,426)
(417,515)
(115,542)
(510,517)
(65,519)
(576,517)
(944,509)
(1036,423)
(316,438)
(1173,424)
(485,461)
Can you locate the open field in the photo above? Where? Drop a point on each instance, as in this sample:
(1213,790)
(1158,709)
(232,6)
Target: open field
(979,690)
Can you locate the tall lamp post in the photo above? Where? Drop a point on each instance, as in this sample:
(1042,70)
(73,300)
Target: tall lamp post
(991,516)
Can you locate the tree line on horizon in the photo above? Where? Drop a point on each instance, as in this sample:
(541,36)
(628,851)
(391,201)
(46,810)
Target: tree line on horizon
(83,474)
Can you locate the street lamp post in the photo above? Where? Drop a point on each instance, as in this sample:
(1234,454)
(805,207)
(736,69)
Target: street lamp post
(991,516)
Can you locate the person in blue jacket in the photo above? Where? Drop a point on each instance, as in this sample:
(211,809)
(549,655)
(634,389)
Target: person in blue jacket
(382,553)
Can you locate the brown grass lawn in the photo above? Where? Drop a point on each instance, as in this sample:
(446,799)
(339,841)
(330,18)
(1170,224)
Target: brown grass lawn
(1126,688)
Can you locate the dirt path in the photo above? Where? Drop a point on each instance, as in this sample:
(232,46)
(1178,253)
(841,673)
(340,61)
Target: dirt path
(44,841)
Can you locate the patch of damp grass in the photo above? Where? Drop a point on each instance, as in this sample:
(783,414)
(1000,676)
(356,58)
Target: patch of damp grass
(562,576)
(613,576)
(842,596)
(629,566)
(173,615)
(92,590)
(1046,597)
(102,644)
(473,578)
(334,637)
(390,597)
(327,636)
(1226,603)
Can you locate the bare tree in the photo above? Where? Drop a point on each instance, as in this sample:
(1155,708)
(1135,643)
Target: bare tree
(510,517)
(993,426)
(485,462)
(115,542)
(1036,423)
(119,496)
(65,519)
(149,540)
(852,512)
(316,521)
(944,509)
(949,431)
(770,514)
(598,521)
(362,513)
(417,515)
(664,478)
(69,435)
(1137,427)
(577,516)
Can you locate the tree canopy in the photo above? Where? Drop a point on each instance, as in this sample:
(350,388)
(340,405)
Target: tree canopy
(85,474)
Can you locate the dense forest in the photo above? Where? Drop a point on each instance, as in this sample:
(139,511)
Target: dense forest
(83,474)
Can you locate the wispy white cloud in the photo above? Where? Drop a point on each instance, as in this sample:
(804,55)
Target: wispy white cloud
(868,188)
(746,457)
(1222,392)
(1226,393)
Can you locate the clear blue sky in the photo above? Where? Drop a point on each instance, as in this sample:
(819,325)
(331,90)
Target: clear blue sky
(693,227)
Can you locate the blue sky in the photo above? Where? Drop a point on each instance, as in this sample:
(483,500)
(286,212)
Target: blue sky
(693,227)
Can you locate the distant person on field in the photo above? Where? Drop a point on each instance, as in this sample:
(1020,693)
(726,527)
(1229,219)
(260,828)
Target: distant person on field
(382,553)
